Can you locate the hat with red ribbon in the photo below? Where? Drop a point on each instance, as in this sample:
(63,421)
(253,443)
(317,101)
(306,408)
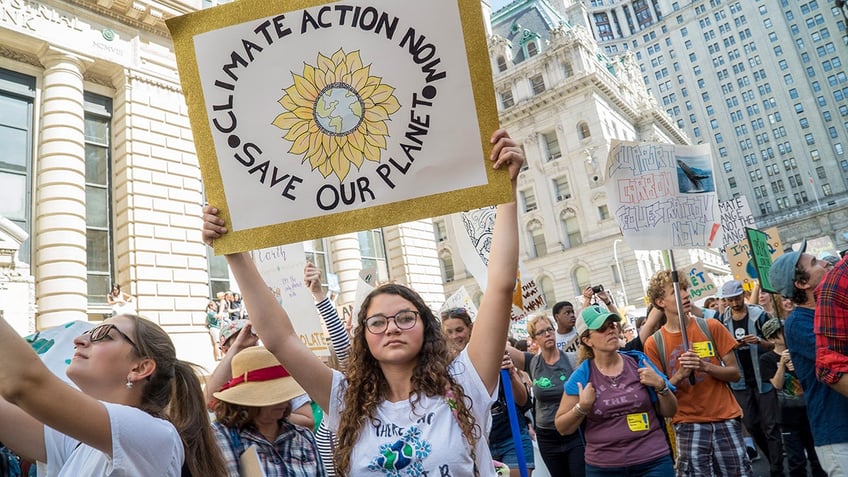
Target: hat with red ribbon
(258,380)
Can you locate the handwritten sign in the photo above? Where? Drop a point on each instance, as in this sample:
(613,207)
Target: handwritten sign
(739,258)
(761,256)
(313,118)
(474,246)
(735,217)
(700,283)
(663,195)
(461,299)
(282,269)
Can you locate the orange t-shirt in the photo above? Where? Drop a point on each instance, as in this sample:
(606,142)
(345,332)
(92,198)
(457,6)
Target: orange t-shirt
(709,400)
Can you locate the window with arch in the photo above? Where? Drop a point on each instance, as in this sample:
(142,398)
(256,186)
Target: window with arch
(536,235)
(583,130)
(532,49)
(571,228)
(581,280)
(546,285)
(446,264)
(501,63)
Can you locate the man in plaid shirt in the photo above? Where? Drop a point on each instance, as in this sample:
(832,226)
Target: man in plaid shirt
(796,275)
(831,327)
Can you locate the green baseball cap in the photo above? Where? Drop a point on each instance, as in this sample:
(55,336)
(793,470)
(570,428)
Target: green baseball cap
(593,317)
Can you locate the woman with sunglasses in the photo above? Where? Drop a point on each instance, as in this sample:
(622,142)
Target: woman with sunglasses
(402,407)
(138,411)
(563,455)
(622,398)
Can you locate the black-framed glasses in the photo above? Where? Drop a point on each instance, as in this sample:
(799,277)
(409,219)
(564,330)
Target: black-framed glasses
(404,320)
(543,332)
(101,332)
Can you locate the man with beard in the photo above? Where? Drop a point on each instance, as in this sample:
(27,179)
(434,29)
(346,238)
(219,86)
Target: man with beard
(796,275)
(760,406)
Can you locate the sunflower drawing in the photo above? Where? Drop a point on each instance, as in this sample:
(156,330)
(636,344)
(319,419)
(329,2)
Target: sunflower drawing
(336,113)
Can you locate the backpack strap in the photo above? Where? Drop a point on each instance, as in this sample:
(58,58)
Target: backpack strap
(658,339)
(705,328)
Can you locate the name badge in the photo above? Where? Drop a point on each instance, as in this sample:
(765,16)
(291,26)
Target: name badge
(638,422)
(704,349)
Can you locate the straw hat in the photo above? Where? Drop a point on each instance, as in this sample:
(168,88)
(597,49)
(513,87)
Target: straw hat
(258,380)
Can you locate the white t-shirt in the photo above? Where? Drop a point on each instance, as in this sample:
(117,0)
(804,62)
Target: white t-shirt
(562,340)
(402,442)
(142,445)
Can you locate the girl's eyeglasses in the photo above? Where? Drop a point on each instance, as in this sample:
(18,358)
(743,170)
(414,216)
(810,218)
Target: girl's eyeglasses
(404,320)
(101,332)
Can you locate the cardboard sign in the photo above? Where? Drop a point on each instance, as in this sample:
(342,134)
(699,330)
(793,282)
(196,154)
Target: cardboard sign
(282,269)
(461,299)
(700,283)
(474,246)
(663,195)
(739,258)
(735,217)
(313,119)
(761,256)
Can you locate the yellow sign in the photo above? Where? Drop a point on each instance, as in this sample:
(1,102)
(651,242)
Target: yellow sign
(638,421)
(704,349)
(312,119)
(741,264)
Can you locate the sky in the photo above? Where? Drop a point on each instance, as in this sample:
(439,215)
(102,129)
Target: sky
(496,4)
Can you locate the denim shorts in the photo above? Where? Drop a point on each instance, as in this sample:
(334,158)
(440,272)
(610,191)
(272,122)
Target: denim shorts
(504,451)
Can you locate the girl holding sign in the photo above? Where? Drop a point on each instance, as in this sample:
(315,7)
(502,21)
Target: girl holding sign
(139,410)
(622,397)
(402,403)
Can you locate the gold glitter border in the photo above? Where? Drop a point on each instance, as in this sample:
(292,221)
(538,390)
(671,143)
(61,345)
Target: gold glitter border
(498,190)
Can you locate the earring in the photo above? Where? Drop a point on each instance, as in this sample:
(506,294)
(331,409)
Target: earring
(129,383)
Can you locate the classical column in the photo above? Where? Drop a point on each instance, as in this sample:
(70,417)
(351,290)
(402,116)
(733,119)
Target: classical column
(347,263)
(59,238)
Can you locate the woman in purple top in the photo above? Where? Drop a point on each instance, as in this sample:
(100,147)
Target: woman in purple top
(622,397)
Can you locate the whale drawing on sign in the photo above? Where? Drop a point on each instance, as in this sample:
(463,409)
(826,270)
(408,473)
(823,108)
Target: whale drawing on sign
(694,177)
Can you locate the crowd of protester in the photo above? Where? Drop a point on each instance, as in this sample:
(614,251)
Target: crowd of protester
(412,393)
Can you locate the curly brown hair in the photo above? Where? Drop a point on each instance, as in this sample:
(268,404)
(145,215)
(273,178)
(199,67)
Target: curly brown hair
(658,282)
(234,415)
(367,385)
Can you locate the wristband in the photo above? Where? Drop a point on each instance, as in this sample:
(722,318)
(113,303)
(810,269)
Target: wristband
(579,410)
(663,391)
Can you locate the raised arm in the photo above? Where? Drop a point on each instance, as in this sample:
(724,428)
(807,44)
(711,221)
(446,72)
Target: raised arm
(271,321)
(35,397)
(489,334)
(338,336)
(224,372)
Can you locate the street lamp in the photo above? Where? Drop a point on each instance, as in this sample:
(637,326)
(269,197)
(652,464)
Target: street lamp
(618,267)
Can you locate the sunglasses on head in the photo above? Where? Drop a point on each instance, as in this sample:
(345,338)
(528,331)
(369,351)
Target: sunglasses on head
(101,332)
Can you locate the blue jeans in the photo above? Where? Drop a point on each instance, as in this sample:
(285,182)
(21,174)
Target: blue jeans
(504,451)
(662,467)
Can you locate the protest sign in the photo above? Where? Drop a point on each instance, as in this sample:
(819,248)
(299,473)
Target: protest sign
(700,283)
(282,269)
(475,229)
(55,346)
(735,217)
(312,119)
(760,256)
(739,258)
(461,299)
(663,195)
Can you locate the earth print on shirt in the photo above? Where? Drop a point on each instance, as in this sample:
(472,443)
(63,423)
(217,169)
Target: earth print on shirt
(404,457)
